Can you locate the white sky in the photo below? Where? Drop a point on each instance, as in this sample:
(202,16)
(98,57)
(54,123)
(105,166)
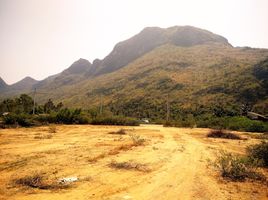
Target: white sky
(39,38)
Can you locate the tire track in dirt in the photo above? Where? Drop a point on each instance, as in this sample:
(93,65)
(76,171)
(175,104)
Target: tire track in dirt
(184,176)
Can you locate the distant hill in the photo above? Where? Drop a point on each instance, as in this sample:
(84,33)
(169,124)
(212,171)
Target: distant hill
(193,68)
(3,84)
(23,86)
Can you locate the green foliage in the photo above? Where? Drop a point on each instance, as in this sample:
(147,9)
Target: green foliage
(69,116)
(245,124)
(46,118)
(232,123)
(22,119)
(115,120)
(259,151)
(23,104)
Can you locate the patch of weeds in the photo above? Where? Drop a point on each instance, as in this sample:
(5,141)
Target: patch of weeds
(39,181)
(96,158)
(238,168)
(52,129)
(259,151)
(41,137)
(137,140)
(130,166)
(223,134)
(260,136)
(119,132)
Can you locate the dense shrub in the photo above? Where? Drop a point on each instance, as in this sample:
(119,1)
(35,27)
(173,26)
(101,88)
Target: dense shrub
(115,120)
(24,120)
(232,123)
(68,116)
(245,124)
(46,118)
(259,151)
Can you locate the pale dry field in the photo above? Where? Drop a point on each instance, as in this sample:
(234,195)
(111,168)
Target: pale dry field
(172,163)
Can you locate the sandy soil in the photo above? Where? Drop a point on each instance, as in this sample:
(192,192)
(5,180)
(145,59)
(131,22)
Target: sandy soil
(172,163)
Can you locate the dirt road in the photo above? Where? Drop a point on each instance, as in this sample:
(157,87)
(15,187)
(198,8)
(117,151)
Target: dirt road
(171,163)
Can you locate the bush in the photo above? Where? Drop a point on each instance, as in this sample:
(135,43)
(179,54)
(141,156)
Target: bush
(24,120)
(46,118)
(245,124)
(68,116)
(232,123)
(259,151)
(238,168)
(223,134)
(115,120)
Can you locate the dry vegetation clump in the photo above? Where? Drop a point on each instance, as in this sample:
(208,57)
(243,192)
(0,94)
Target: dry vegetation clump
(223,134)
(39,181)
(119,132)
(260,152)
(137,139)
(238,168)
(260,136)
(52,129)
(45,136)
(130,166)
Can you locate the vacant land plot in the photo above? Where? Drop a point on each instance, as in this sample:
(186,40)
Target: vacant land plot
(147,162)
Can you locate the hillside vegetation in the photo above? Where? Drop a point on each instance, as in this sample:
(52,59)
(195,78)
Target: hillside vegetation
(197,72)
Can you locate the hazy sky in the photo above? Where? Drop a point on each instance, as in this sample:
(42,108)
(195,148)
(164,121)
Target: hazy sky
(39,38)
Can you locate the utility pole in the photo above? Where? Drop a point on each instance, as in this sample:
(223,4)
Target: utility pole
(168,109)
(100,104)
(34,101)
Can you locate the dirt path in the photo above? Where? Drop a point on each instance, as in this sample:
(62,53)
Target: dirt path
(176,161)
(184,176)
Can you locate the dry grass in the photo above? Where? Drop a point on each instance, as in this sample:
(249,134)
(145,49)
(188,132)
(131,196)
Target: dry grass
(137,140)
(40,181)
(130,166)
(115,151)
(223,134)
(43,136)
(260,136)
(119,132)
(52,129)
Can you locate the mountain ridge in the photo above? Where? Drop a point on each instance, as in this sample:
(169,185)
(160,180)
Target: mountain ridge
(197,67)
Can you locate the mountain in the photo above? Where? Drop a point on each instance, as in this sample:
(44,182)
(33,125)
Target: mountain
(3,84)
(150,38)
(193,68)
(25,84)
(73,74)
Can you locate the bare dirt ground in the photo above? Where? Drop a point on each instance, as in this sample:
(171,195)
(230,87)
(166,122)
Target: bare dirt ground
(171,163)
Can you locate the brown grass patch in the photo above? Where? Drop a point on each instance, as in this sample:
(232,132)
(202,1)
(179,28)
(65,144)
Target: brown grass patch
(39,181)
(223,134)
(130,166)
(119,132)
